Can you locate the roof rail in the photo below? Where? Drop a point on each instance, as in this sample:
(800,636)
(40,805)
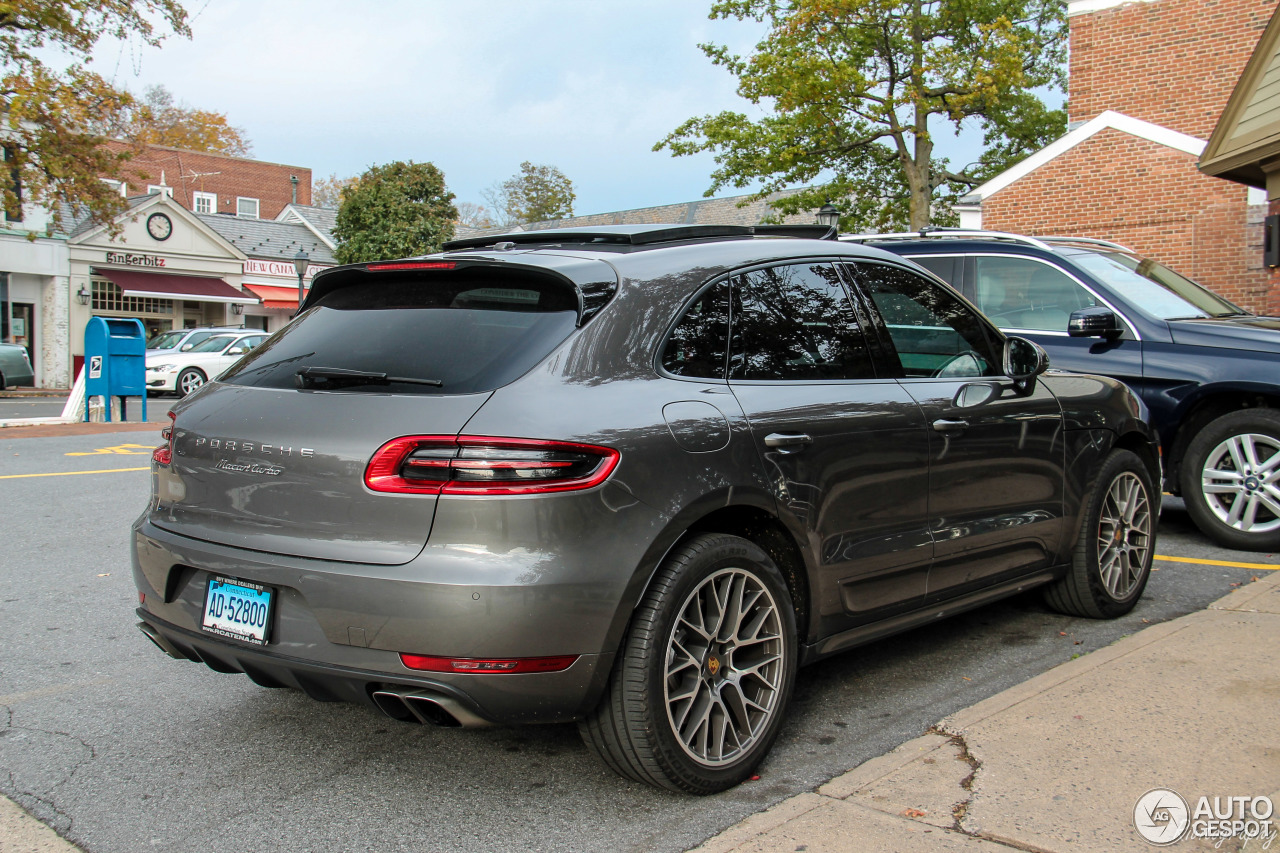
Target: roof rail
(1089,241)
(640,235)
(950,233)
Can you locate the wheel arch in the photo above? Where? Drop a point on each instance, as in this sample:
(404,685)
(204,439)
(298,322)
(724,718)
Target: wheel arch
(751,516)
(1207,405)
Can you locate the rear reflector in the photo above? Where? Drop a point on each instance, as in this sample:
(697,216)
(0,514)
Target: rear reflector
(163,455)
(479,465)
(411,265)
(473,666)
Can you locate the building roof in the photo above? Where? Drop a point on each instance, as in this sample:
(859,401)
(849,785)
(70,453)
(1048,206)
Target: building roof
(734,210)
(268,239)
(321,220)
(1063,144)
(1248,131)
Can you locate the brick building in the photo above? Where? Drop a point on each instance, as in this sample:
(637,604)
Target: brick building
(216,183)
(1147,83)
(1245,145)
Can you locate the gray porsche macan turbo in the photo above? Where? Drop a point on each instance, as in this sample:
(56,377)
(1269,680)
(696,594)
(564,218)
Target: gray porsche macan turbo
(631,477)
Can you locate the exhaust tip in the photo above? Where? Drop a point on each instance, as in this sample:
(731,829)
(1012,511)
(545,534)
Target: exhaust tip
(431,711)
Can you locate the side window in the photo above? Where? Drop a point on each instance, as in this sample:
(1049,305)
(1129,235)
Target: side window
(795,323)
(945,267)
(1021,293)
(934,333)
(698,345)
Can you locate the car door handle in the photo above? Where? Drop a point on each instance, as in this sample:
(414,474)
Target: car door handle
(944,425)
(790,439)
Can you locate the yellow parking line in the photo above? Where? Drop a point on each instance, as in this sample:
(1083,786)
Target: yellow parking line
(1269,567)
(71,473)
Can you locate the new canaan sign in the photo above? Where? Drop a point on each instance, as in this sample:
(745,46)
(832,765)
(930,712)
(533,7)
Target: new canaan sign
(278,269)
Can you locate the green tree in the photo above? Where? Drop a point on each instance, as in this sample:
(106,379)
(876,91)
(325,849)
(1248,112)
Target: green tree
(856,90)
(536,194)
(50,145)
(396,210)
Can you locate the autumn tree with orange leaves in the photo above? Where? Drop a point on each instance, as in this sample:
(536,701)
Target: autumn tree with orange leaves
(52,115)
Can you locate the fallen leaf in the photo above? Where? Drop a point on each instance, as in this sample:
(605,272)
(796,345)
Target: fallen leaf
(1078,717)
(1146,621)
(1062,633)
(755,778)
(105,575)
(1235,584)
(913,813)
(966,678)
(1078,642)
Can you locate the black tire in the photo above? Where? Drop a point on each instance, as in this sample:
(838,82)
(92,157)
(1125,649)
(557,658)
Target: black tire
(1245,515)
(189,380)
(1112,559)
(634,728)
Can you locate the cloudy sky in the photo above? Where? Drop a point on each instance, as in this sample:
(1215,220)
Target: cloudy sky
(475,87)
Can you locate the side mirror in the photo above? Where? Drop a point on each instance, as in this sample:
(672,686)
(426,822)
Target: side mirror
(1024,360)
(187,347)
(1095,322)
(237,350)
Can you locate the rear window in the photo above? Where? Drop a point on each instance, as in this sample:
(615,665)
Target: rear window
(459,332)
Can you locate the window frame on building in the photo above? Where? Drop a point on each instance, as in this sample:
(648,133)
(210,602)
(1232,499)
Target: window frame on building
(257,206)
(211,198)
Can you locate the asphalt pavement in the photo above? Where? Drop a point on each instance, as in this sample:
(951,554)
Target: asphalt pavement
(119,748)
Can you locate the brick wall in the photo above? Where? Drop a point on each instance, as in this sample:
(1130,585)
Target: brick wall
(228,177)
(1149,197)
(1169,62)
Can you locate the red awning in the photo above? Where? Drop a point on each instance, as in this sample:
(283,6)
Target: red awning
(276,297)
(160,285)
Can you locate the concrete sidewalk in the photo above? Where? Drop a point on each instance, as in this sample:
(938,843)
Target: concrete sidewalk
(1059,762)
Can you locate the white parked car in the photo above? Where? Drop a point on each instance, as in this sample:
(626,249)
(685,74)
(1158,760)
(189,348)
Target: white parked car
(184,372)
(183,340)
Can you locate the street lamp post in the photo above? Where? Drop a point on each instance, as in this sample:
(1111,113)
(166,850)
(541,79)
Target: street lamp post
(829,215)
(300,267)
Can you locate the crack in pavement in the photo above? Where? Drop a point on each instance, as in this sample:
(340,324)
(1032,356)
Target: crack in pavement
(61,821)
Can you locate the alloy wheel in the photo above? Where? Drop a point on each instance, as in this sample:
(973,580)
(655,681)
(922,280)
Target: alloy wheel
(724,667)
(1241,482)
(1124,534)
(189,382)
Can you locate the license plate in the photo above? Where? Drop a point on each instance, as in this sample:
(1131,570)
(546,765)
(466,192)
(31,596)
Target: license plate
(238,609)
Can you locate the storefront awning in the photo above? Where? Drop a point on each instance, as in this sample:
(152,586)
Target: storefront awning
(276,297)
(159,285)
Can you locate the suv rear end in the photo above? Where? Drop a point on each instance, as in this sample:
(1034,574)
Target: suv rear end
(348,447)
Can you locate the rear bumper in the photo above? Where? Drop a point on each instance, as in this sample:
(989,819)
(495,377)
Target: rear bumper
(482,700)
(338,629)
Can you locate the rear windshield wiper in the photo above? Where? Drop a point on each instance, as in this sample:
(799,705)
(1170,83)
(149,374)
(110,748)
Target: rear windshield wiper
(337,377)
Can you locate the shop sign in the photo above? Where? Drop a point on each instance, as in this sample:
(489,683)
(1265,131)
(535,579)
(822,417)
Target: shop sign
(278,269)
(134,260)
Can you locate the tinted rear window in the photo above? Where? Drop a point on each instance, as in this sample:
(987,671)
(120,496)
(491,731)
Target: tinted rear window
(470,330)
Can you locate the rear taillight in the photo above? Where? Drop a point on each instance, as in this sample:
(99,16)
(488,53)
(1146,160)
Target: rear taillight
(163,455)
(411,265)
(478,465)
(476,666)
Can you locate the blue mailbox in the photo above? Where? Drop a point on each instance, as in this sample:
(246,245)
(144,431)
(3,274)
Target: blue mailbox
(115,363)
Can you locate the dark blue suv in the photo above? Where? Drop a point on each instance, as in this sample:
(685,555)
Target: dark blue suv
(1208,370)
